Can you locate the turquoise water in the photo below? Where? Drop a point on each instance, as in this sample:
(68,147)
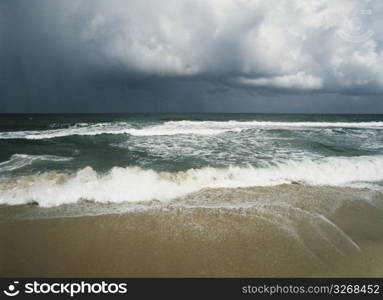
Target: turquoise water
(140,157)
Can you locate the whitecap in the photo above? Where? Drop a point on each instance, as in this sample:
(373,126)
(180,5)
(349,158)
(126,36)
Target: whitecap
(133,184)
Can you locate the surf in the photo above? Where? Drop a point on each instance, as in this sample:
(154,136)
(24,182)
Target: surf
(18,161)
(177,128)
(131,184)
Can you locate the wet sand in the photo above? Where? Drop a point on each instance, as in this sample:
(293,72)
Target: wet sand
(285,231)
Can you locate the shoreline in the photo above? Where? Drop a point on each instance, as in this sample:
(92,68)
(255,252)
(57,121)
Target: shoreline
(279,237)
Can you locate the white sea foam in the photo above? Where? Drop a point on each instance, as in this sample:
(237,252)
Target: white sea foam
(82,129)
(134,184)
(177,128)
(18,161)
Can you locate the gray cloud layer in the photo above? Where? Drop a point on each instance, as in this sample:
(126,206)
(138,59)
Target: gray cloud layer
(87,52)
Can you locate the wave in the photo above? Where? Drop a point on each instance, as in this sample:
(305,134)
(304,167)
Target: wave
(18,161)
(134,184)
(81,129)
(177,128)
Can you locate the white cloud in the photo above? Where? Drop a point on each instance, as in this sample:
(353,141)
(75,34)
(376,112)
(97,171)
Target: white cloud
(301,80)
(297,44)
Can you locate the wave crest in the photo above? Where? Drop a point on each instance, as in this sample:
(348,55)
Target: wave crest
(177,128)
(134,184)
(18,161)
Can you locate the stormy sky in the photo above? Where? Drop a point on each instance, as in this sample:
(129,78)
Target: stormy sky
(191,56)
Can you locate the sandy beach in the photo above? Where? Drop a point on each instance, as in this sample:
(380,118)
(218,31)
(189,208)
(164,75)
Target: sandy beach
(328,232)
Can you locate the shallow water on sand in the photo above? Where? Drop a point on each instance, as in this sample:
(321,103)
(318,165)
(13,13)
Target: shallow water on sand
(287,230)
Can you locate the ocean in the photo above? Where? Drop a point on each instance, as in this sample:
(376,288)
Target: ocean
(191,195)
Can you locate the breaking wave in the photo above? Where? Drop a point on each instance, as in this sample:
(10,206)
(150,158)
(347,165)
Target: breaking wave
(131,184)
(176,128)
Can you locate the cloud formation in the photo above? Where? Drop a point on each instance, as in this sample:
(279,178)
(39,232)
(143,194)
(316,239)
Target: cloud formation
(289,44)
(98,49)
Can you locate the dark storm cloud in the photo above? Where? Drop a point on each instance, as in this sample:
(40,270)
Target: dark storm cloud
(183,55)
